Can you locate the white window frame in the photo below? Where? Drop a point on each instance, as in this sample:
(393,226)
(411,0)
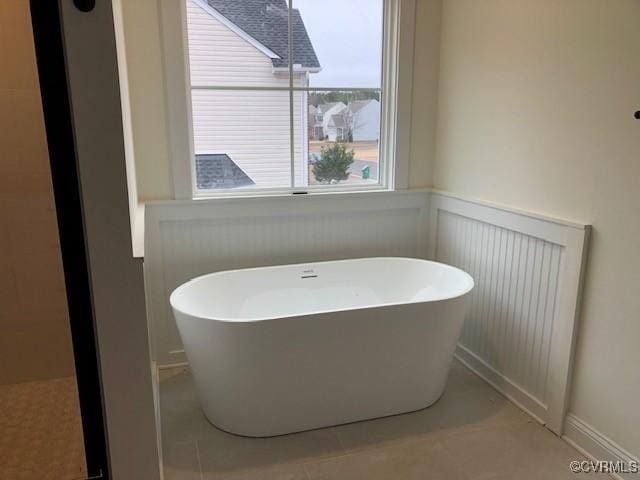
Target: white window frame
(396,99)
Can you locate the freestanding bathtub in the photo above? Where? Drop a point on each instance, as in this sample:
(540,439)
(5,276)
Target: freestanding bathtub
(283,349)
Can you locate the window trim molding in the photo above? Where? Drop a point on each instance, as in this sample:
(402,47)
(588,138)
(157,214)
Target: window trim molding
(397,91)
(403,57)
(177,94)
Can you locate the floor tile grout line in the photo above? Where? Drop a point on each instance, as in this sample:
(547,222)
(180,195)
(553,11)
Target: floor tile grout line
(385,446)
(393,443)
(306,471)
(199,462)
(340,441)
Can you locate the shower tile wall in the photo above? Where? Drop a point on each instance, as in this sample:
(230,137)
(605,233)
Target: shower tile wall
(40,429)
(35,340)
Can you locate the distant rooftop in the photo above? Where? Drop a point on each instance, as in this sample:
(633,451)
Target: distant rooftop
(324,107)
(357,105)
(217,170)
(267,22)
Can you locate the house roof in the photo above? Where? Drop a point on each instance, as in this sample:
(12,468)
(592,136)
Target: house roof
(325,107)
(358,105)
(267,22)
(217,170)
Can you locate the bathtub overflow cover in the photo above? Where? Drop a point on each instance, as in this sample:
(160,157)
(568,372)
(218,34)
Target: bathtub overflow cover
(308,274)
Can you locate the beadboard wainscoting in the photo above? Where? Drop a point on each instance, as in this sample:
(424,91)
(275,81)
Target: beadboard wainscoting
(521,327)
(185,239)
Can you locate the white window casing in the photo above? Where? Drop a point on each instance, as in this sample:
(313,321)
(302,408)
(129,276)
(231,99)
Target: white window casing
(177,92)
(399,26)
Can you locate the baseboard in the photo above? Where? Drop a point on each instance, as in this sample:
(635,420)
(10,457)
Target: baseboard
(595,445)
(169,366)
(501,383)
(175,358)
(580,435)
(155,383)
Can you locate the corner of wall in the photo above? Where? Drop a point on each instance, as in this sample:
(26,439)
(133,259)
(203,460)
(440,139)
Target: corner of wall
(141,74)
(595,445)
(426,69)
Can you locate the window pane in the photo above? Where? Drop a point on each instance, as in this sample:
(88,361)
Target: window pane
(338,42)
(238,43)
(300,138)
(242,135)
(241,139)
(343,137)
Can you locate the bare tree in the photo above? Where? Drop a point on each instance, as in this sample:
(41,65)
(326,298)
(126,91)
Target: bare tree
(352,121)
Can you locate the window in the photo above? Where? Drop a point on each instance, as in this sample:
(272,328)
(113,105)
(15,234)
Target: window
(259,123)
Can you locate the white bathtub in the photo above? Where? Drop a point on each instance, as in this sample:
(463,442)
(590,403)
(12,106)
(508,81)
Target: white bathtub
(283,349)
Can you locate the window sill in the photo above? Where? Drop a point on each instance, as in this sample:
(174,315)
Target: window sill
(138,235)
(137,231)
(283,192)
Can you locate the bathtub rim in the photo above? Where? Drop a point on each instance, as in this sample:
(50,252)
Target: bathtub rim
(179,288)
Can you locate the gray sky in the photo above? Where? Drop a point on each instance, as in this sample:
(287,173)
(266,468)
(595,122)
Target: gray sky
(347,37)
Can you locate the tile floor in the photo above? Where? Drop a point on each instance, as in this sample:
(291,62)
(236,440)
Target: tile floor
(40,431)
(472,432)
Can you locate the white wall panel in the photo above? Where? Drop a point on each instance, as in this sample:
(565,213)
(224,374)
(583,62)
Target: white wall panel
(519,333)
(513,306)
(188,239)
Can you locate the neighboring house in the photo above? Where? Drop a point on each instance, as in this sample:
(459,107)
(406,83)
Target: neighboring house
(323,115)
(364,120)
(219,171)
(337,128)
(244,43)
(316,131)
(357,122)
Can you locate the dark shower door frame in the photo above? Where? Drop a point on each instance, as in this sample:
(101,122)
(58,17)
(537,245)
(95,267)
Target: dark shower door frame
(48,39)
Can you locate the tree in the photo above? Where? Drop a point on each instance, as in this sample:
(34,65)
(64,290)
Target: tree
(318,98)
(352,121)
(334,164)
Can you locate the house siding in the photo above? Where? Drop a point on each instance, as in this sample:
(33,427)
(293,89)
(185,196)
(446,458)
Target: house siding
(219,56)
(251,127)
(326,118)
(367,123)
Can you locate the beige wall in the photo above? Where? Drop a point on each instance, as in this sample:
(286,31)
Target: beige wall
(425,92)
(142,42)
(35,340)
(536,112)
(143,51)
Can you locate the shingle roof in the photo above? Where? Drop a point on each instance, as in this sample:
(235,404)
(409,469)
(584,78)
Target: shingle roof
(267,22)
(325,107)
(219,171)
(357,105)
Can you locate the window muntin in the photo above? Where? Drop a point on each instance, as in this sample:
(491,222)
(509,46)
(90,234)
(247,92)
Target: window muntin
(242,91)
